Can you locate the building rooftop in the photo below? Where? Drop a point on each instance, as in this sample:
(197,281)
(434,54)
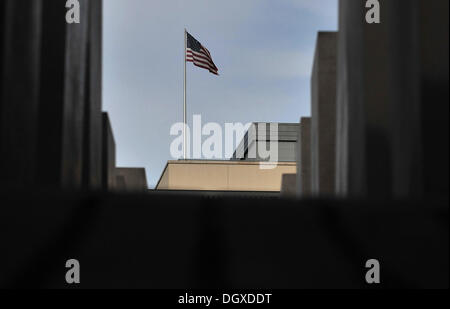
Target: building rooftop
(213,175)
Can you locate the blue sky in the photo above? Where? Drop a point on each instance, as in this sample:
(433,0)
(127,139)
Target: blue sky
(263,48)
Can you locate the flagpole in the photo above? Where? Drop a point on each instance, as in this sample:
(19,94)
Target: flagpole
(184,103)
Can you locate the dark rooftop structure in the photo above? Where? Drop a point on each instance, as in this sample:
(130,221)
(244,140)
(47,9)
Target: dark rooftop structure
(285,134)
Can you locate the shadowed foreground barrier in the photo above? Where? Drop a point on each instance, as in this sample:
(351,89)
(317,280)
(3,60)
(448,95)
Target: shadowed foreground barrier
(163,240)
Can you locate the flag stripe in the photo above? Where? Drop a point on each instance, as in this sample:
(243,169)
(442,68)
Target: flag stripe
(201,58)
(206,50)
(198,55)
(207,68)
(204,66)
(195,59)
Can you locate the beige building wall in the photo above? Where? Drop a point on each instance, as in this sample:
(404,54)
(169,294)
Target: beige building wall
(223,176)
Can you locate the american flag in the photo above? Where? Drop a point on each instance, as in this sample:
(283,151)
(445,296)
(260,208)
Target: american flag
(199,55)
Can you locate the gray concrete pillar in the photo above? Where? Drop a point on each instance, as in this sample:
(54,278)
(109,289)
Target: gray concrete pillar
(62,97)
(50,92)
(391,100)
(288,185)
(323,115)
(434,94)
(131,179)
(108,156)
(304,158)
(20,36)
(92,150)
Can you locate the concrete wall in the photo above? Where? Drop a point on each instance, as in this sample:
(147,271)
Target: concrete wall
(131,179)
(108,155)
(215,241)
(434,105)
(392,102)
(50,108)
(20,36)
(304,158)
(289,185)
(92,151)
(74,74)
(120,183)
(323,115)
(223,176)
